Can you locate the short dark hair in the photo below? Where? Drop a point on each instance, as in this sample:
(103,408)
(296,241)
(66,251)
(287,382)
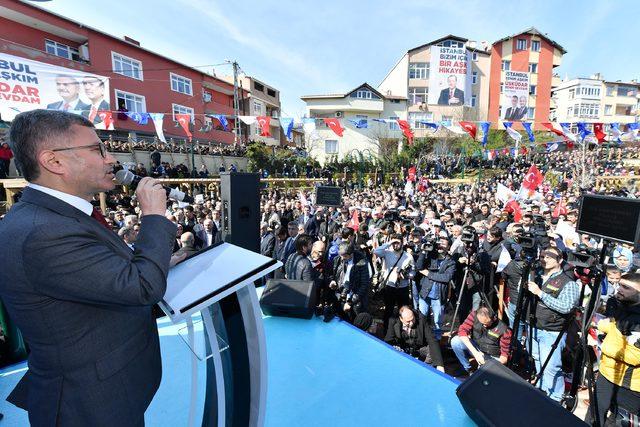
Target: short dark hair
(302,241)
(33,130)
(495,231)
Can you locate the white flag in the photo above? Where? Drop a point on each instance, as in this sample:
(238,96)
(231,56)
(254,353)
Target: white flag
(505,258)
(248,120)
(158,120)
(514,134)
(504,194)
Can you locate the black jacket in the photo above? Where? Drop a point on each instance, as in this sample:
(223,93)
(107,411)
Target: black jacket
(437,274)
(423,338)
(359,279)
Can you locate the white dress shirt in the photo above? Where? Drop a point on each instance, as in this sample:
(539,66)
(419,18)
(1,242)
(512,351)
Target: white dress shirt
(75,201)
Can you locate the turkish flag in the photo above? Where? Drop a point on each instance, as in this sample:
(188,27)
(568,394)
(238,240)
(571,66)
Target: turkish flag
(470,128)
(354,222)
(406,130)
(412,174)
(532,179)
(334,124)
(598,131)
(107,119)
(423,184)
(550,127)
(561,209)
(513,207)
(184,120)
(264,122)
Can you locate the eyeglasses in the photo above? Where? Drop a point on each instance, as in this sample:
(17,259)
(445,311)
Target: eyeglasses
(100,145)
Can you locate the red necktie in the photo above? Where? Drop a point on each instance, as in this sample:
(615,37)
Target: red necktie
(66,106)
(93,114)
(100,218)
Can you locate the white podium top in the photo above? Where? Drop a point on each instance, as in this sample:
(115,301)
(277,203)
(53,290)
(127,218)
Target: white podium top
(211,275)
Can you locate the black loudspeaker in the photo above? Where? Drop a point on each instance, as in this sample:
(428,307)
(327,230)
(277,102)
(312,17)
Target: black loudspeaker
(240,220)
(290,298)
(496,396)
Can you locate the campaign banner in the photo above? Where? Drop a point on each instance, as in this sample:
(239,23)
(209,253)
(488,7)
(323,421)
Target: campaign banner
(515,96)
(28,85)
(449,76)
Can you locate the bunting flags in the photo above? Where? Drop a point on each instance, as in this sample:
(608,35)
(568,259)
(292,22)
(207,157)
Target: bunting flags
(139,118)
(334,125)
(551,146)
(265,123)
(598,132)
(184,120)
(431,125)
(287,127)
(632,130)
(550,127)
(470,128)
(566,131)
(222,119)
(583,131)
(450,126)
(527,128)
(615,131)
(406,130)
(107,120)
(514,134)
(247,120)
(484,126)
(359,124)
(504,194)
(158,120)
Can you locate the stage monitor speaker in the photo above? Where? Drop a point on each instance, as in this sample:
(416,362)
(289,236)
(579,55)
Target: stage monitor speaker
(614,218)
(290,298)
(495,396)
(240,221)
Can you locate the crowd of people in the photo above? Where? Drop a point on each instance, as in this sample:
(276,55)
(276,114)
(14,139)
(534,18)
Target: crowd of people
(174,146)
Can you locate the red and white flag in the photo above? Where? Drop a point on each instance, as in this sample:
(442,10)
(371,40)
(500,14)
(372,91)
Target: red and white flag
(265,123)
(412,174)
(599,133)
(470,128)
(334,124)
(513,207)
(530,183)
(406,130)
(107,119)
(354,222)
(184,120)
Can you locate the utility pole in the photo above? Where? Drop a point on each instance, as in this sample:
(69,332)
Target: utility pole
(236,103)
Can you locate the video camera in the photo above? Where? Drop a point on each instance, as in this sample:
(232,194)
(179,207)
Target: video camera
(406,272)
(584,261)
(392,215)
(426,246)
(469,234)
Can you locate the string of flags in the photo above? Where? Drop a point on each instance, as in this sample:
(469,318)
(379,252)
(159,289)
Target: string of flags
(599,133)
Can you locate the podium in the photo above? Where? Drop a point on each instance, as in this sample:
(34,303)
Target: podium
(219,283)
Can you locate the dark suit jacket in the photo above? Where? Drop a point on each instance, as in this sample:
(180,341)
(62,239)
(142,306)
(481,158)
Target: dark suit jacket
(424,337)
(444,96)
(103,106)
(189,250)
(267,244)
(359,280)
(58,106)
(310,226)
(83,302)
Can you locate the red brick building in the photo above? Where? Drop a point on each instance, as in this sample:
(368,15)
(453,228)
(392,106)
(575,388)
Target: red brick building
(139,80)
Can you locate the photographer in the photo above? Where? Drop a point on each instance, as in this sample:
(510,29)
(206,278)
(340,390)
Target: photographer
(397,273)
(414,338)
(557,296)
(438,268)
(482,334)
(488,256)
(618,385)
(350,281)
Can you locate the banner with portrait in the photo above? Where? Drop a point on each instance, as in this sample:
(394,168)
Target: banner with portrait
(515,96)
(449,76)
(28,85)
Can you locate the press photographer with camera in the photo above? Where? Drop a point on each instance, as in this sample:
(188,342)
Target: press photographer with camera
(398,271)
(414,337)
(556,297)
(350,282)
(437,268)
(618,385)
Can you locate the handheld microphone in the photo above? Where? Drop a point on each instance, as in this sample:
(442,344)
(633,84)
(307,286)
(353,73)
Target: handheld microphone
(128,178)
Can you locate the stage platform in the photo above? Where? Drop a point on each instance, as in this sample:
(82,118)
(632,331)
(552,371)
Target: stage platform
(320,374)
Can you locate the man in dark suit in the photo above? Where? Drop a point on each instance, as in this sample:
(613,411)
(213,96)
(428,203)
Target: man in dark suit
(308,221)
(69,90)
(207,235)
(188,247)
(451,95)
(290,243)
(94,90)
(80,296)
(512,112)
(267,240)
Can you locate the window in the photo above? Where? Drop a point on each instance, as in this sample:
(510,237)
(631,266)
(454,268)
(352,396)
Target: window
(414,118)
(535,45)
(506,65)
(608,109)
(418,95)
(572,93)
(61,50)
(474,56)
(533,67)
(474,99)
(271,92)
(331,146)
(626,91)
(130,102)
(474,77)
(531,112)
(610,90)
(394,125)
(363,94)
(570,111)
(181,109)
(419,70)
(257,108)
(452,43)
(258,86)
(521,44)
(181,84)
(126,66)
(532,89)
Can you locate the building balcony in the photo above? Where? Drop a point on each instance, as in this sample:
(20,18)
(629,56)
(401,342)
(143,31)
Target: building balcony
(555,81)
(23,51)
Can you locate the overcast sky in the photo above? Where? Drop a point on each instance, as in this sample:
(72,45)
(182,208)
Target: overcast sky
(303,47)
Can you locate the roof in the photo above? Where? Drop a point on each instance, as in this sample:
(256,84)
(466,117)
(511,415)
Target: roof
(534,31)
(448,37)
(344,95)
